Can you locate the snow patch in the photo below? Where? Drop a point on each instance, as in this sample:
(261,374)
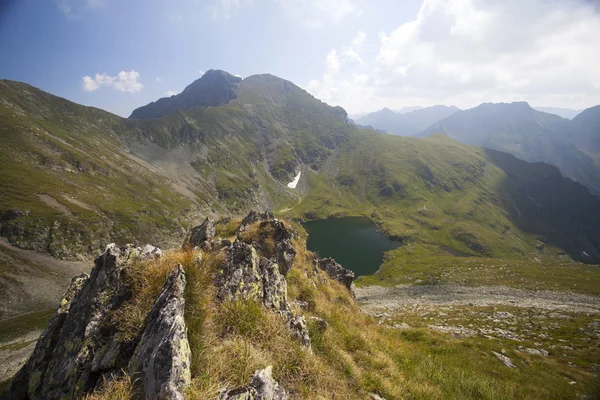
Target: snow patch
(292,184)
(583,253)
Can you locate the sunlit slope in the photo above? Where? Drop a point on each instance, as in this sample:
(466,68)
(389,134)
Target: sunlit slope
(440,191)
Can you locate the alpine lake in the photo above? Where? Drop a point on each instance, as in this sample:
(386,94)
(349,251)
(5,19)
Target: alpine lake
(353,242)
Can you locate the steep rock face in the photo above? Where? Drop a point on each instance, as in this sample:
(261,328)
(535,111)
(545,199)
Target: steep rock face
(336,271)
(262,387)
(201,235)
(162,357)
(80,348)
(214,88)
(273,241)
(240,276)
(247,274)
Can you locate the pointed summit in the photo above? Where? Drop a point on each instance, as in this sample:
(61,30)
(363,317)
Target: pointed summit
(214,88)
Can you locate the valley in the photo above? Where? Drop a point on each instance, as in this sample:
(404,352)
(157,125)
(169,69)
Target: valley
(487,257)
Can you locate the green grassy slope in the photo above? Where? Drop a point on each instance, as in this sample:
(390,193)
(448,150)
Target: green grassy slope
(442,192)
(74,177)
(66,184)
(529,134)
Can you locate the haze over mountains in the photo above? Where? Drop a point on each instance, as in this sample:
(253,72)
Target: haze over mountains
(529,134)
(517,128)
(408,121)
(74,178)
(153,175)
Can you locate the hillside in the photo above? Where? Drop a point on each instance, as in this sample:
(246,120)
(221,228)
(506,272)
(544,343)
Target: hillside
(531,135)
(406,123)
(585,133)
(439,191)
(142,173)
(230,158)
(226,320)
(74,178)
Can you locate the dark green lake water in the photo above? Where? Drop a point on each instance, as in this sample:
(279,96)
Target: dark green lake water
(353,241)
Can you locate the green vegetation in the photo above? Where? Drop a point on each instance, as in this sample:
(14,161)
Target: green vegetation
(74,178)
(15,327)
(354,355)
(427,264)
(440,192)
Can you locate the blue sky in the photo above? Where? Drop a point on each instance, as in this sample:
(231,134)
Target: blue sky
(362,55)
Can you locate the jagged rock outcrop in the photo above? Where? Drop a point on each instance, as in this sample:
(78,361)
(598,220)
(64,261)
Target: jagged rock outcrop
(149,252)
(161,361)
(79,347)
(239,277)
(336,271)
(254,216)
(247,276)
(201,235)
(274,238)
(274,286)
(298,328)
(261,387)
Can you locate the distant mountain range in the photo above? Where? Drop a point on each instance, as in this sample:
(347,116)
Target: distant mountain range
(561,112)
(408,121)
(74,178)
(531,135)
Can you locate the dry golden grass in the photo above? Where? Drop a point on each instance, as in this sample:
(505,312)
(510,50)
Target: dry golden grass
(146,279)
(227,230)
(117,389)
(354,356)
(263,235)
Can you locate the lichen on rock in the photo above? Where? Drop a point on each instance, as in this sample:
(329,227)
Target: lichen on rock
(79,348)
(201,235)
(261,387)
(336,271)
(161,361)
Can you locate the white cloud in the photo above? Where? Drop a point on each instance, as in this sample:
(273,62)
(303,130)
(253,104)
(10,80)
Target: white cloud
(465,52)
(125,81)
(170,93)
(237,75)
(89,84)
(158,79)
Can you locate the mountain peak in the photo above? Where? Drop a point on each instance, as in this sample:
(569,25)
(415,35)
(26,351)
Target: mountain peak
(214,88)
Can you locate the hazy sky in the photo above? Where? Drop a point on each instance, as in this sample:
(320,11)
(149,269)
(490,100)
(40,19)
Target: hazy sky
(361,54)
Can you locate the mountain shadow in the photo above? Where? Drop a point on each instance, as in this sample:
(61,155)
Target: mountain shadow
(540,200)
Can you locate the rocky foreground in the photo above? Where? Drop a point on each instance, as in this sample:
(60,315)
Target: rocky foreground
(81,350)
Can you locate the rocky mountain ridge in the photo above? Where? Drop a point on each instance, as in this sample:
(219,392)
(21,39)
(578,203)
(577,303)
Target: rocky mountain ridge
(213,89)
(82,349)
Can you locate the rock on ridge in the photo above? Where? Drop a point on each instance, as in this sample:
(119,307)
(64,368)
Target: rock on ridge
(161,361)
(336,271)
(247,276)
(201,235)
(273,230)
(254,216)
(79,347)
(261,387)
